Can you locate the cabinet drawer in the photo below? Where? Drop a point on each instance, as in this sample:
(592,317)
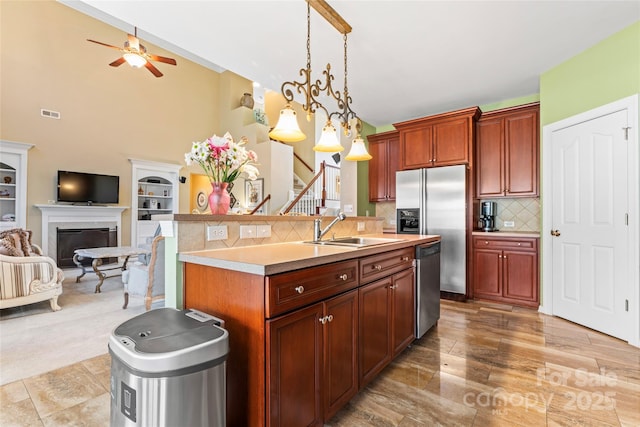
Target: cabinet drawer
(515,243)
(377,266)
(288,291)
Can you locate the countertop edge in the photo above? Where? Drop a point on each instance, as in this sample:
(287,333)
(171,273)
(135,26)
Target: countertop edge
(224,258)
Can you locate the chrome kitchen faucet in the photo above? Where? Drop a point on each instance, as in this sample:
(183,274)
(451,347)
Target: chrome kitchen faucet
(317,230)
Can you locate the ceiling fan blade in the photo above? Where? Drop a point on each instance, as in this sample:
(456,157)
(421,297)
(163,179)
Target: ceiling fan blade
(153,69)
(118,62)
(162,59)
(104,44)
(134,43)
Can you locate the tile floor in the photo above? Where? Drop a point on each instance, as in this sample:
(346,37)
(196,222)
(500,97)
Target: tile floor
(482,365)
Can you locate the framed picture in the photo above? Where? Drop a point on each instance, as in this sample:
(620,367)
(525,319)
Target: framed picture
(254,193)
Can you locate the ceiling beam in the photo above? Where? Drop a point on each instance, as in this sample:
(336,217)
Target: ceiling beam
(329,13)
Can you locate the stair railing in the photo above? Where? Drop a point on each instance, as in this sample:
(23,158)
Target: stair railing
(303,197)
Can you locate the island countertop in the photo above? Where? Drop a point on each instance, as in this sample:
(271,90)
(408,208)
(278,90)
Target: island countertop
(282,257)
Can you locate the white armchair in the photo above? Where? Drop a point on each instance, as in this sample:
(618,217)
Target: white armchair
(26,275)
(147,279)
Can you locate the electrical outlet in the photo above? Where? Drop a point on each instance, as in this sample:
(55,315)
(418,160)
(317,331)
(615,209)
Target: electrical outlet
(263,231)
(348,208)
(509,224)
(247,231)
(217,232)
(360,226)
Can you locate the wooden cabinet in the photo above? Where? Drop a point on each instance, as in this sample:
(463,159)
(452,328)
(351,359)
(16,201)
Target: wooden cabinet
(507,146)
(312,362)
(506,270)
(441,140)
(297,347)
(386,308)
(383,166)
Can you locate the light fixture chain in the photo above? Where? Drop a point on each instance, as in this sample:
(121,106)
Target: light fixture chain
(308,36)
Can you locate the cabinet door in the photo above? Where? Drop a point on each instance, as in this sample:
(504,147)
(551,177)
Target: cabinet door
(521,276)
(451,143)
(403,310)
(393,158)
(378,171)
(489,159)
(416,148)
(521,154)
(294,362)
(340,352)
(375,329)
(487,273)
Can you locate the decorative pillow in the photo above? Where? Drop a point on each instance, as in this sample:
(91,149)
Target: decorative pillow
(16,242)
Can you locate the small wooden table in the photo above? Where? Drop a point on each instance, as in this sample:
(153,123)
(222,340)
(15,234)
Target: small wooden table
(98,254)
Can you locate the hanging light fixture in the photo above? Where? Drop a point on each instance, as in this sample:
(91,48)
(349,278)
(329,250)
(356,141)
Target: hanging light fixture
(287,128)
(328,142)
(358,151)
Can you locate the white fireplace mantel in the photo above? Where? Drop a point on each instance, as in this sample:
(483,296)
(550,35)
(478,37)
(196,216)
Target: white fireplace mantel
(56,214)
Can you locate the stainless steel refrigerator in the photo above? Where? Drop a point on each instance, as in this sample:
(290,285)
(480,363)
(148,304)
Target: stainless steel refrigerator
(439,195)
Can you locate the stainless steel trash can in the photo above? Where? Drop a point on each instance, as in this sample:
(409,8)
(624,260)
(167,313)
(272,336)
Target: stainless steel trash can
(168,368)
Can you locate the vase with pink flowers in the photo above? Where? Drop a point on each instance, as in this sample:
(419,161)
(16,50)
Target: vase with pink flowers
(223,160)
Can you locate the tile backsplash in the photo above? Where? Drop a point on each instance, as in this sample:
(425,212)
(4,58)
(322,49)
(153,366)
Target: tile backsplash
(524,212)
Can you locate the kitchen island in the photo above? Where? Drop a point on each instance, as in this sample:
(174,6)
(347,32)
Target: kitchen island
(309,325)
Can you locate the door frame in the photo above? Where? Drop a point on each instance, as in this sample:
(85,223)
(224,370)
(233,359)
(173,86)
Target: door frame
(546,259)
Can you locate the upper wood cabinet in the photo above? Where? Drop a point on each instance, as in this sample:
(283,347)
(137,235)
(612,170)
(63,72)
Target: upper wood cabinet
(507,145)
(441,140)
(383,166)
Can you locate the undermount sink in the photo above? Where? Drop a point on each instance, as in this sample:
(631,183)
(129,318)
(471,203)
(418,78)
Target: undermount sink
(356,242)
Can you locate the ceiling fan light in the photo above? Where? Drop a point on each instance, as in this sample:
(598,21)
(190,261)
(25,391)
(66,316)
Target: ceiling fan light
(358,151)
(328,142)
(134,60)
(287,128)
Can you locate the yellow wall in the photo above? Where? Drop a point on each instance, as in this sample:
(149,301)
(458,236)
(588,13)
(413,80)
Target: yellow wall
(108,115)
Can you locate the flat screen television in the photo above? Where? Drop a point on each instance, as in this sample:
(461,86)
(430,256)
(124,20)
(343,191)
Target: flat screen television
(87,188)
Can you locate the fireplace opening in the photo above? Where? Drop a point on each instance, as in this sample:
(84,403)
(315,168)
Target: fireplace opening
(70,239)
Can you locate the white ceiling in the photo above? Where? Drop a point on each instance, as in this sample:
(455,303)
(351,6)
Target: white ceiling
(406,59)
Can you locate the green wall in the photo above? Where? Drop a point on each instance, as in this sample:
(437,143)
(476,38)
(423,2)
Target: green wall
(607,71)
(364,205)
(510,102)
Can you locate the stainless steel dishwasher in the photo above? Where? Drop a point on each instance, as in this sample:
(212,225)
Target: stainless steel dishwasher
(427,287)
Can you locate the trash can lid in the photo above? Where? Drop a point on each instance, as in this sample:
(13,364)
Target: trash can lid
(167,339)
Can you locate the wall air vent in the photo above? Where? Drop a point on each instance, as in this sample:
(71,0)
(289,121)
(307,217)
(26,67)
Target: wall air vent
(49,113)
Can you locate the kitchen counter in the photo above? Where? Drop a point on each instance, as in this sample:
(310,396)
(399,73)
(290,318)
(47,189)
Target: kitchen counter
(281,257)
(501,233)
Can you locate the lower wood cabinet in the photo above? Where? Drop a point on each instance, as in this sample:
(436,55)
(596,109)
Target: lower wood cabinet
(304,342)
(312,362)
(386,322)
(506,270)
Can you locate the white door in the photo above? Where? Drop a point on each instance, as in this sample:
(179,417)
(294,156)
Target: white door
(589,186)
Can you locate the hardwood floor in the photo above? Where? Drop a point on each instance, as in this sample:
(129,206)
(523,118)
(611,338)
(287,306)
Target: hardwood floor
(482,365)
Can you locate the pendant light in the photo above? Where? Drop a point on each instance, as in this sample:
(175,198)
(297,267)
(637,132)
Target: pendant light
(358,150)
(328,142)
(287,128)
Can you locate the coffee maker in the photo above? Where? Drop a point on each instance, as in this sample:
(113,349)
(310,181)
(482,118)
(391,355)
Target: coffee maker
(488,212)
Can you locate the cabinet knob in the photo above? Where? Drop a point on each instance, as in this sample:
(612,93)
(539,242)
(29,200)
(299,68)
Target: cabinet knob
(405,258)
(323,320)
(330,318)
(344,276)
(377,267)
(486,243)
(299,289)
(519,244)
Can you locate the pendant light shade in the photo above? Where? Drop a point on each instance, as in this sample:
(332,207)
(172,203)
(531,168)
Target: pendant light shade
(358,151)
(287,129)
(328,142)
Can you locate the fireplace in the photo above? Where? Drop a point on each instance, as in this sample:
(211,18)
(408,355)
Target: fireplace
(70,239)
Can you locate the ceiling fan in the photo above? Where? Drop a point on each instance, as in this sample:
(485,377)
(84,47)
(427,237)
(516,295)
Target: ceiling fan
(136,55)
